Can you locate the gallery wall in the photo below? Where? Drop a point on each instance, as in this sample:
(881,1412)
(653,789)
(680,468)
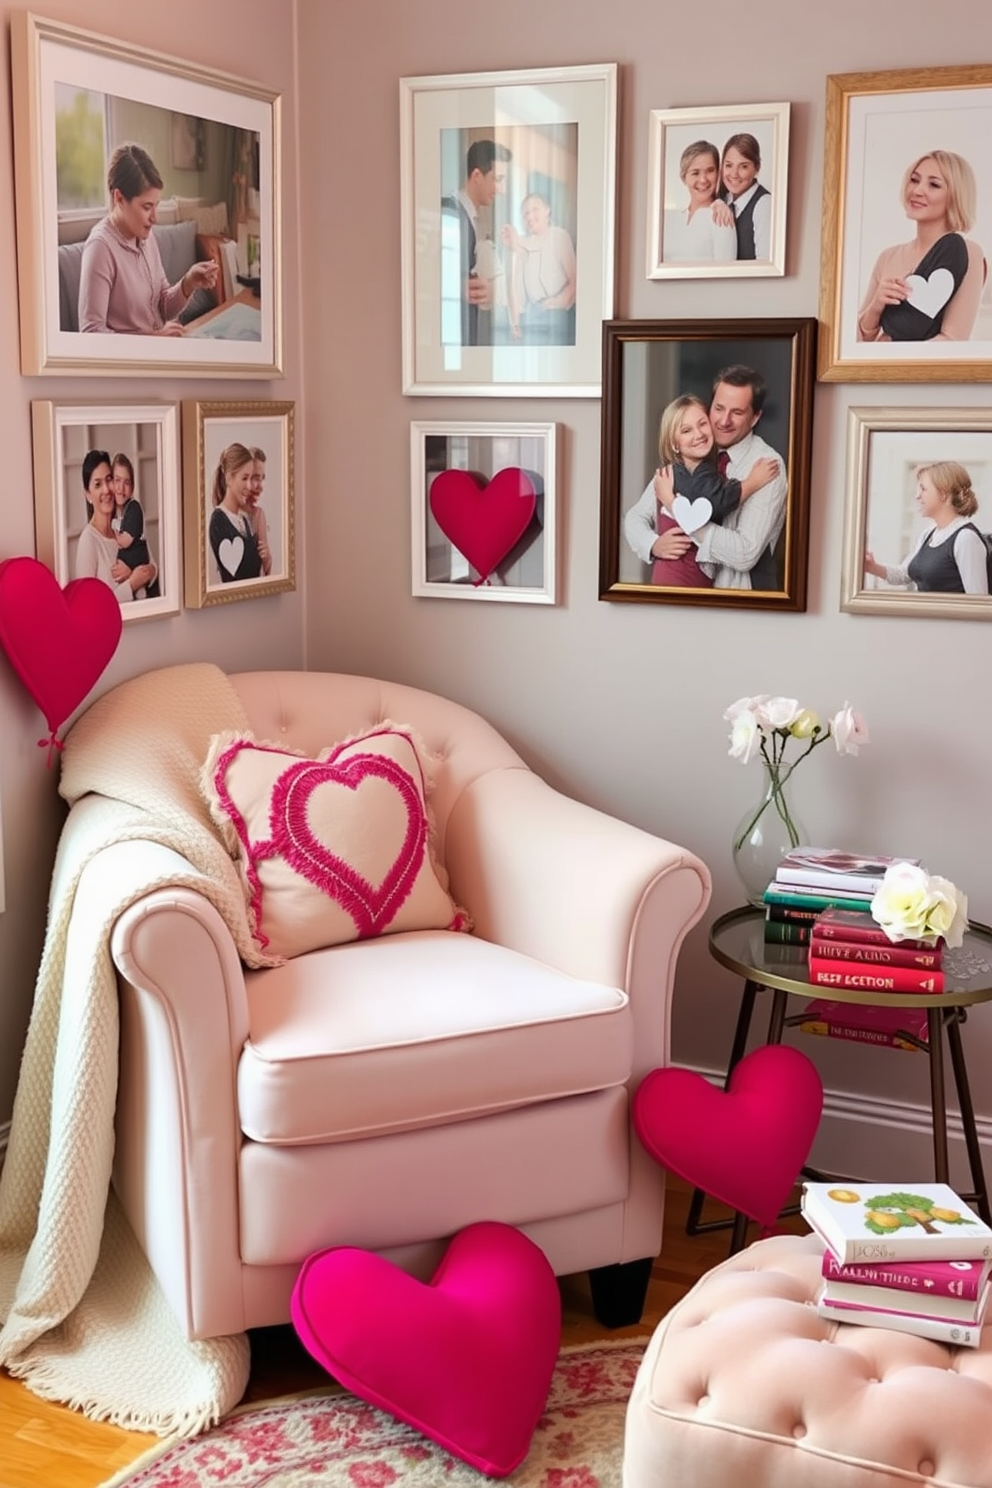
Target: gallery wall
(254,39)
(622,704)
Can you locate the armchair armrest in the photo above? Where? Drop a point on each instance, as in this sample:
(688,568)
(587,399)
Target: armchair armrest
(577,889)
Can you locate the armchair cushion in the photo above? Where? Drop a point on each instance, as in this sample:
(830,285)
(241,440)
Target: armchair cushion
(332,849)
(453,1027)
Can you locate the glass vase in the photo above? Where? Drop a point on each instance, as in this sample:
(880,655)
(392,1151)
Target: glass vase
(766,832)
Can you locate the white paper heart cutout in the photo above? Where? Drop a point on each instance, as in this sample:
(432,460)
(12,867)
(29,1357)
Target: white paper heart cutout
(691,515)
(230,553)
(930,295)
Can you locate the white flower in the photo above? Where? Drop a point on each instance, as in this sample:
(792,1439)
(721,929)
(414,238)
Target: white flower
(779,712)
(911,905)
(742,705)
(745,736)
(805,724)
(849,730)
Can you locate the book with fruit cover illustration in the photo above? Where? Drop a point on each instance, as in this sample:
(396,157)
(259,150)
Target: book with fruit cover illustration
(867,1222)
(964,1281)
(959,1335)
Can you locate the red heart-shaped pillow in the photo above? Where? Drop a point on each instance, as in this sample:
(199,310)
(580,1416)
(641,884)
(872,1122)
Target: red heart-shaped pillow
(466,1358)
(745,1146)
(59,641)
(483,521)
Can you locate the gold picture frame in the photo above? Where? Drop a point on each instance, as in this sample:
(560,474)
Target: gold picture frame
(886,448)
(225,555)
(879,125)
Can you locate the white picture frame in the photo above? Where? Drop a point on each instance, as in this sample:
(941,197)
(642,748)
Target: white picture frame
(135,95)
(886,446)
(472,457)
(558,126)
(148,435)
(671,131)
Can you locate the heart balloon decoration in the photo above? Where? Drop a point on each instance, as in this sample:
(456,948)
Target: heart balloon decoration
(59,641)
(466,1358)
(744,1146)
(483,519)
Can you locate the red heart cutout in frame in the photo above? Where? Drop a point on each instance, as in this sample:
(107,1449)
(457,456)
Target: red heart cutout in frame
(59,641)
(745,1146)
(483,519)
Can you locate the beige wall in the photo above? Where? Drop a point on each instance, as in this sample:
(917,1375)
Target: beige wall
(622,704)
(619,704)
(255,39)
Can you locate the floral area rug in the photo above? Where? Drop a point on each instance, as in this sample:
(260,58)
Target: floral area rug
(335,1440)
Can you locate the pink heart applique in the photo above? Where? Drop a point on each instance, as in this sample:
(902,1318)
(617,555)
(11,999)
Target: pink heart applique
(745,1146)
(483,521)
(466,1358)
(371,905)
(59,641)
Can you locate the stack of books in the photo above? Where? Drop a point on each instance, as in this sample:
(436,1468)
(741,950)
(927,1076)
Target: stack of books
(847,948)
(811,879)
(915,1259)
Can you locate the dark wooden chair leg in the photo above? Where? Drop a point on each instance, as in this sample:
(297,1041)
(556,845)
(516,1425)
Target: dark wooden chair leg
(620,1291)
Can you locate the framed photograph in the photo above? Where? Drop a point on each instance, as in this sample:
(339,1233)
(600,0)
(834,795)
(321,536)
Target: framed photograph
(484,511)
(717,183)
(238,497)
(135,168)
(905,294)
(919,511)
(106,490)
(707,437)
(507,195)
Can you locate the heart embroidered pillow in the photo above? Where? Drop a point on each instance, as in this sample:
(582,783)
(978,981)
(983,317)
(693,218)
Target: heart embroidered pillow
(332,849)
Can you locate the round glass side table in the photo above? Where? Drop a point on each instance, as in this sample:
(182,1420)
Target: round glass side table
(737,942)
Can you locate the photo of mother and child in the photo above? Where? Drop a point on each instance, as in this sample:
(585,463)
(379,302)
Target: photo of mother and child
(237,531)
(112,546)
(712,515)
(728,215)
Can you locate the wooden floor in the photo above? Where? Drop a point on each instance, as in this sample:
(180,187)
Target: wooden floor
(47,1446)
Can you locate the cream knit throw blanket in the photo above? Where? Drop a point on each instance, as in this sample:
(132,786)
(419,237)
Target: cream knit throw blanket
(86,1323)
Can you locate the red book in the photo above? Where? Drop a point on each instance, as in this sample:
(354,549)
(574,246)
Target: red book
(874,955)
(791,913)
(963,1280)
(891,1028)
(856,977)
(851,924)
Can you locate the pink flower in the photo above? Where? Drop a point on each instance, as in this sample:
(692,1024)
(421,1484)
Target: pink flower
(372,1474)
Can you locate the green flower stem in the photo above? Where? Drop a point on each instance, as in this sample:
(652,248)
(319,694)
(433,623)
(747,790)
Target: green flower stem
(779,772)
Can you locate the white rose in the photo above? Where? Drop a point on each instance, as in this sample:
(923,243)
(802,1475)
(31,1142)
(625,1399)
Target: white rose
(744,705)
(779,712)
(849,730)
(948,913)
(745,737)
(901,901)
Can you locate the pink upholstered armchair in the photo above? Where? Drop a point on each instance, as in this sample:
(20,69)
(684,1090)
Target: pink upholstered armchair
(389,1092)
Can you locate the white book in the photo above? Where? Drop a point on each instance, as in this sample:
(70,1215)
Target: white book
(895,1222)
(959,1335)
(883,1300)
(828,868)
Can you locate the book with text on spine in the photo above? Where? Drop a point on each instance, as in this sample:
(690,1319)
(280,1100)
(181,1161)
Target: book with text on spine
(858,924)
(787,932)
(873,955)
(941,1330)
(827,867)
(962,1280)
(891,1028)
(790,895)
(853,976)
(792,914)
(867,1222)
(916,1304)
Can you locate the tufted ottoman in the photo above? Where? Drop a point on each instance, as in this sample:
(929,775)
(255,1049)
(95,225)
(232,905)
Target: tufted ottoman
(744,1386)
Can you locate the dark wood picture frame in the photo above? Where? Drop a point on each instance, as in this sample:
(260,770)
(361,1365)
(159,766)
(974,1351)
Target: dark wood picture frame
(648,363)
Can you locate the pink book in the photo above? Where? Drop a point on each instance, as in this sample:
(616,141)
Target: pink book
(962,1280)
(883,1317)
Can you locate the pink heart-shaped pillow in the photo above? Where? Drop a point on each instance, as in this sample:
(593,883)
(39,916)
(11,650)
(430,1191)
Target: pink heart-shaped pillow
(483,521)
(59,641)
(745,1146)
(466,1358)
